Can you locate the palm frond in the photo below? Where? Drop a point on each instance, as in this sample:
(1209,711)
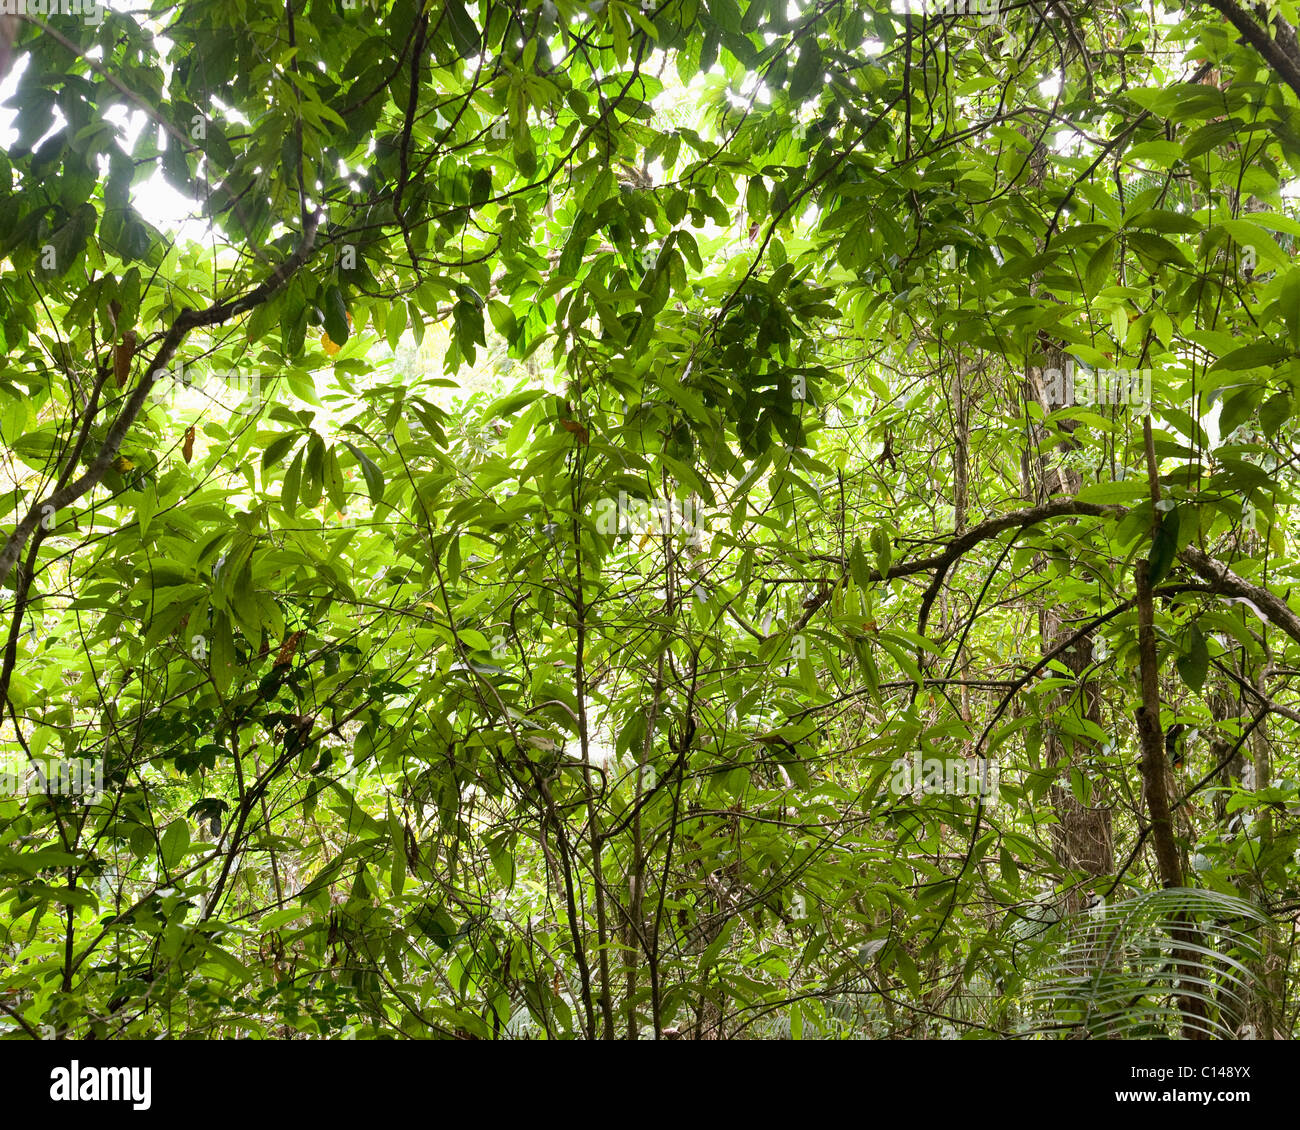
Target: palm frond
(1124,971)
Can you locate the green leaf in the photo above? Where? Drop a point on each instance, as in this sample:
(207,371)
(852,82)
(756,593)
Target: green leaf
(710,955)
(1099,267)
(313,482)
(1275,412)
(370,471)
(1210,136)
(435,924)
(175,842)
(1254,356)
(858,566)
(726,14)
(503,860)
(1156,248)
(855,246)
(808,70)
(1237,409)
(883,546)
(1195,660)
(289,490)
(464,32)
(275,450)
(1007,865)
(1107,493)
(397,871)
(293,323)
(335,488)
(146,508)
(222,656)
(1164,546)
(509,405)
(503,319)
(336,315)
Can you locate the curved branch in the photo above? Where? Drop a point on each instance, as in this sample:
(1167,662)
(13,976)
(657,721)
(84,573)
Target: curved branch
(1275,55)
(1224,581)
(185,322)
(965,542)
(1219,578)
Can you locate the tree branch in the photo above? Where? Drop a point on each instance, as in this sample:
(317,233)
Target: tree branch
(1275,55)
(185,322)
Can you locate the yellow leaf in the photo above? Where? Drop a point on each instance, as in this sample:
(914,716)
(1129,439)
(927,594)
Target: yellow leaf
(576,429)
(122,353)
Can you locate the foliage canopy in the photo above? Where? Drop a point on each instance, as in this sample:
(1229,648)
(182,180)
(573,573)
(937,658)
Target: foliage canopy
(649,518)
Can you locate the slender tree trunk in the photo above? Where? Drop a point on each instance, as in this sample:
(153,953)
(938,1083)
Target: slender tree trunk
(1186,957)
(961,492)
(1082,838)
(1269,986)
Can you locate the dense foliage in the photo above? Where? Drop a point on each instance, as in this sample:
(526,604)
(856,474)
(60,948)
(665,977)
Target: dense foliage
(649,518)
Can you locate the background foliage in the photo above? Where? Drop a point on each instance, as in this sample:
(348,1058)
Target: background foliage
(499,547)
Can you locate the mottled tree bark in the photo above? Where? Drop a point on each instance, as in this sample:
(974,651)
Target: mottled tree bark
(1082,838)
